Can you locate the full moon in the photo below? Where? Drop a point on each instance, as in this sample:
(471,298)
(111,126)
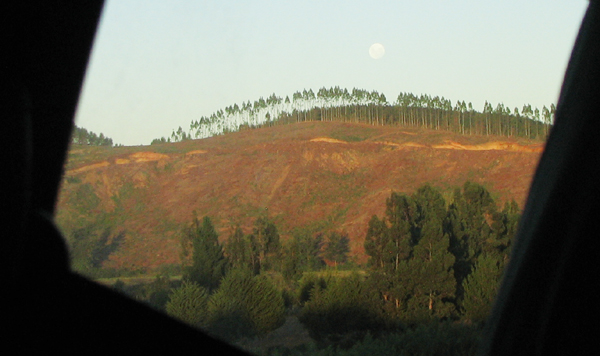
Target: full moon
(376,51)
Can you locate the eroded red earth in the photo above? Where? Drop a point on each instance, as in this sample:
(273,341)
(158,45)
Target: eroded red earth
(316,175)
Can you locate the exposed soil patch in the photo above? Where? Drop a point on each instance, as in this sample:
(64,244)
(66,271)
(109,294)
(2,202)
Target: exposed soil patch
(327,139)
(195,152)
(147,156)
(492,146)
(90,167)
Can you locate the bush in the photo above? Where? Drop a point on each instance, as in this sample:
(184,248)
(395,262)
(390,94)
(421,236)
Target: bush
(438,339)
(309,282)
(245,305)
(344,312)
(188,303)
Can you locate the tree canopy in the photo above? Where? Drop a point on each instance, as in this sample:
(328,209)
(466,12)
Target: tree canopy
(360,105)
(208,263)
(82,136)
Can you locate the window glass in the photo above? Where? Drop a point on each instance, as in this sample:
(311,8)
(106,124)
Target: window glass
(313,173)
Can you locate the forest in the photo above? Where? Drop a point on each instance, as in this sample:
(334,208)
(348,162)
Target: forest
(82,136)
(433,270)
(371,107)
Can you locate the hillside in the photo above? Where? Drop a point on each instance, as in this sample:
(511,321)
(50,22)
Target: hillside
(314,176)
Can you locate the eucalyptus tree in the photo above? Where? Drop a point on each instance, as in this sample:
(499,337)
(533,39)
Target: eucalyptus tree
(311,101)
(487,111)
(347,100)
(321,97)
(447,110)
(277,100)
(382,104)
(296,97)
(256,112)
(459,109)
(376,243)
(527,113)
(338,99)
(401,105)
(470,118)
(356,101)
(507,116)
(305,99)
(499,117)
(517,120)
(401,214)
(536,115)
(238,115)
(287,104)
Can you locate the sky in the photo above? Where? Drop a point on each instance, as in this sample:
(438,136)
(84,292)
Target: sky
(157,65)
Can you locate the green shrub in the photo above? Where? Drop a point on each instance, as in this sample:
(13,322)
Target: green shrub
(344,311)
(245,305)
(439,339)
(309,282)
(188,303)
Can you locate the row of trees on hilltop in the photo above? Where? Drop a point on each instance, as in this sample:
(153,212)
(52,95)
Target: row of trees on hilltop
(82,136)
(363,106)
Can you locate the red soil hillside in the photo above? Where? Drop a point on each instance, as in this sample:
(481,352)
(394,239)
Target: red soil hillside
(313,175)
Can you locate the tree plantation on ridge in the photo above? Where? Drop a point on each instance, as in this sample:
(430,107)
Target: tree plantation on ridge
(359,105)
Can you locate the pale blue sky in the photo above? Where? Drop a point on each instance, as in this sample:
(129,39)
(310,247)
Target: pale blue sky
(157,64)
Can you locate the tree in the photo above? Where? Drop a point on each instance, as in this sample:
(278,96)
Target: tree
(400,213)
(346,305)
(429,203)
(208,262)
(475,227)
(245,305)
(431,273)
(376,242)
(189,303)
(84,137)
(338,246)
(265,238)
(481,287)
(240,251)
(302,254)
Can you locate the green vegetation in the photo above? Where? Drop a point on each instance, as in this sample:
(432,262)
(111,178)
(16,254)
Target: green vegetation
(444,339)
(189,303)
(343,310)
(91,246)
(337,248)
(208,262)
(362,106)
(421,252)
(435,262)
(245,305)
(82,136)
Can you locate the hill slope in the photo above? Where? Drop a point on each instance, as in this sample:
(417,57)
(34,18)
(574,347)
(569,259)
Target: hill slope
(314,176)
